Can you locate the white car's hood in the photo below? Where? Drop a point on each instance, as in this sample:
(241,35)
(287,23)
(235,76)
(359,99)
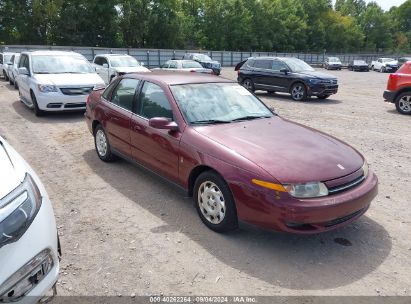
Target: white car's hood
(132,69)
(11,173)
(68,79)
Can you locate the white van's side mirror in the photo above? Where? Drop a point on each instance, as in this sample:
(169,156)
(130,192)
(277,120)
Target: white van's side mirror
(105,65)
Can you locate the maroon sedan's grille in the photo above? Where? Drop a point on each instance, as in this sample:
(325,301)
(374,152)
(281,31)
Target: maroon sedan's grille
(346,186)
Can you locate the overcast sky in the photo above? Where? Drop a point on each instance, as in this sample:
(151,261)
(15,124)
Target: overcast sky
(386,4)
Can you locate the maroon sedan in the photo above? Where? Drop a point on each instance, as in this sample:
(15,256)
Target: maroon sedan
(238,159)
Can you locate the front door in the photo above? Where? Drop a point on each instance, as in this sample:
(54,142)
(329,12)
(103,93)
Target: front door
(154,148)
(24,80)
(279,81)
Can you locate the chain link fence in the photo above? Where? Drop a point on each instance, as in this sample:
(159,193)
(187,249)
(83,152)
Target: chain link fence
(156,57)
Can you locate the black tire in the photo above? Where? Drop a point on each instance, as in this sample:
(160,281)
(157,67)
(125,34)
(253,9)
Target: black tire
(382,69)
(16,86)
(248,84)
(108,156)
(403,103)
(324,96)
(11,82)
(5,76)
(36,108)
(302,93)
(230,221)
(372,68)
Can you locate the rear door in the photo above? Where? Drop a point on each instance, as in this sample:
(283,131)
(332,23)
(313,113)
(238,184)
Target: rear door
(154,148)
(262,74)
(118,111)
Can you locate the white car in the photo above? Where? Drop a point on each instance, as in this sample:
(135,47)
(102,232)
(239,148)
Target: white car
(12,69)
(29,246)
(109,66)
(4,60)
(385,65)
(55,80)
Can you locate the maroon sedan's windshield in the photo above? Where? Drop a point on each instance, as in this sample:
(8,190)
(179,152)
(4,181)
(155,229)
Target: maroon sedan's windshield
(218,103)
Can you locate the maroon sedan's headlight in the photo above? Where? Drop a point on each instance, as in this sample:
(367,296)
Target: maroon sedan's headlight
(307,190)
(302,190)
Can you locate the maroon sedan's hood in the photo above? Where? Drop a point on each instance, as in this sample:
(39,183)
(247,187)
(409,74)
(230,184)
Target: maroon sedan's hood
(288,151)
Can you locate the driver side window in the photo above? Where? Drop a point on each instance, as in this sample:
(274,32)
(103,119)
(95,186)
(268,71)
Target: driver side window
(154,102)
(278,65)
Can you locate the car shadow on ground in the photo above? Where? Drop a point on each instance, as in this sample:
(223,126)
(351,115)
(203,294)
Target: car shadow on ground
(323,261)
(287,98)
(51,118)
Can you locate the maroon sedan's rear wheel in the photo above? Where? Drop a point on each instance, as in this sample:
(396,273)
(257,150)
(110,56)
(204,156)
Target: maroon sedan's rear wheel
(214,202)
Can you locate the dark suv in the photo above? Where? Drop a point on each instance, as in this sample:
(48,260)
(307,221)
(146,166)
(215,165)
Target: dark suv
(205,61)
(290,75)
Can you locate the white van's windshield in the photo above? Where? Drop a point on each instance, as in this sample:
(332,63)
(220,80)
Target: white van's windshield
(60,64)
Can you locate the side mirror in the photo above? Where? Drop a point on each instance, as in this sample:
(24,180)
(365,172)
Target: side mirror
(284,70)
(162,123)
(105,65)
(23,71)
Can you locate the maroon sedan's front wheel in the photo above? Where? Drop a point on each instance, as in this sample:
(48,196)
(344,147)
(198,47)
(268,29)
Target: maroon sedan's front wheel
(214,202)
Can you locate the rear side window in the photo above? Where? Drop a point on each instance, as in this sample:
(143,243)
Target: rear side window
(123,94)
(250,62)
(263,64)
(154,102)
(108,90)
(173,65)
(100,60)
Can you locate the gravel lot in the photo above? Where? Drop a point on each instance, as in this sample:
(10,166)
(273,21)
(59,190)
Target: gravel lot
(125,231)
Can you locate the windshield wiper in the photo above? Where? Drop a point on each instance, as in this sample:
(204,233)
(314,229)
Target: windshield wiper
(210,121)
(251,117)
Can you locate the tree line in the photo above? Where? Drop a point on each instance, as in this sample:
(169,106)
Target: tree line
(237,25)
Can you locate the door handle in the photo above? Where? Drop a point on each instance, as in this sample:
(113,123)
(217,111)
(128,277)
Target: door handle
(138,128)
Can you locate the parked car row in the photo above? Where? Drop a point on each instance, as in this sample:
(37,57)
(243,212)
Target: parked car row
(381,64)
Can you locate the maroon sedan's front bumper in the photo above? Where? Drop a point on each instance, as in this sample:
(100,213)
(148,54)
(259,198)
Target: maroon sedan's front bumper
(280,211)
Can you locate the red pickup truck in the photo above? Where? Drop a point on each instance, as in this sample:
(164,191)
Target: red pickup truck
(399,89)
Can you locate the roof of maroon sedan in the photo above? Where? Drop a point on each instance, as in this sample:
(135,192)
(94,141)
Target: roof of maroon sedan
(173,78)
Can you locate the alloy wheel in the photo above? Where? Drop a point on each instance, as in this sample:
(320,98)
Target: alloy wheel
(101,143)
(211,202)
(297,92)
(405,104)
(248,84)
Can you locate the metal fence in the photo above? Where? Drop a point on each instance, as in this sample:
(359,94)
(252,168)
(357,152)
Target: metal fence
(156,57)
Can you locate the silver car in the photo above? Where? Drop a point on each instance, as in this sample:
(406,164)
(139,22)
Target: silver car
(184,66)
